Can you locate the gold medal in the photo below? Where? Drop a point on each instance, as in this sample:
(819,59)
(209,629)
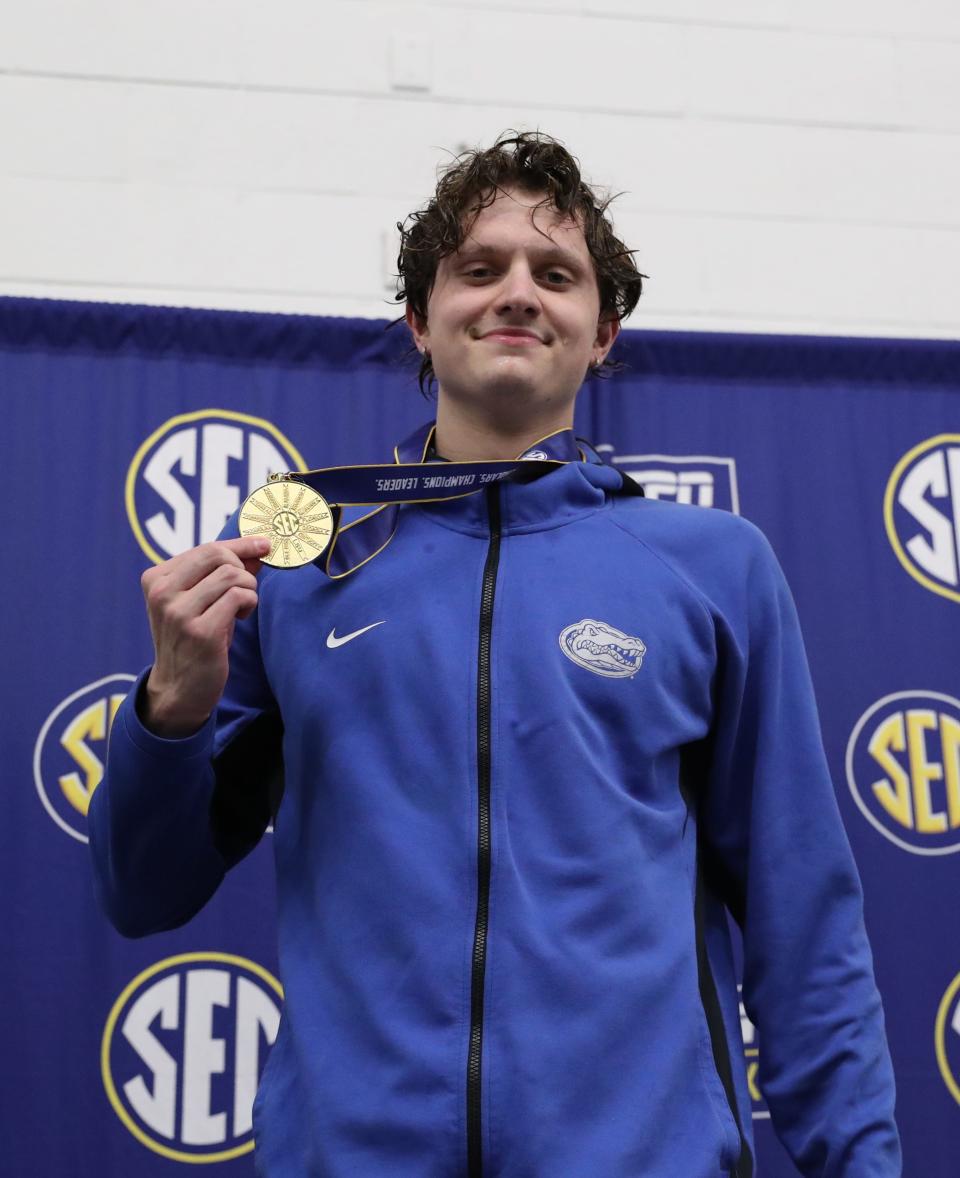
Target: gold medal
(294,517)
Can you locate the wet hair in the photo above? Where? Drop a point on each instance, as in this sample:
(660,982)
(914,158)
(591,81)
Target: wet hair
(535,163)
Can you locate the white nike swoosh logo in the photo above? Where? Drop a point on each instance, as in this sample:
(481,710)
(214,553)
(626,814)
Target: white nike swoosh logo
(333,641)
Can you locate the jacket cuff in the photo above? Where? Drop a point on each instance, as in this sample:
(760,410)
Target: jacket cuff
(163,748)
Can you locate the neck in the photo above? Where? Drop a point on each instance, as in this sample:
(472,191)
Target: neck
(461,437)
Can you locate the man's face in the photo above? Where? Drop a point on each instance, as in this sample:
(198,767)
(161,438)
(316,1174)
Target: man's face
(512,320)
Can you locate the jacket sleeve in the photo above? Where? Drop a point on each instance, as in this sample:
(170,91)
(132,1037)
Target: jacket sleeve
(773,825)
(170,817)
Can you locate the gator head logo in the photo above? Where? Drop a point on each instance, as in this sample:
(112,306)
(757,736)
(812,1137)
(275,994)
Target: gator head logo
(602,649)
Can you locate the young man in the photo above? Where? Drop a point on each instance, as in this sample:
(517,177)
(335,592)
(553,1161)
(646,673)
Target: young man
(571,729)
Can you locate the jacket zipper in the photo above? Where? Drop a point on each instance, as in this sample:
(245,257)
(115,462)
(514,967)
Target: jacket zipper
(474,1058)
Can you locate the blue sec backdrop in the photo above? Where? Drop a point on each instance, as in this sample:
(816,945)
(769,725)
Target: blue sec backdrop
(133,432)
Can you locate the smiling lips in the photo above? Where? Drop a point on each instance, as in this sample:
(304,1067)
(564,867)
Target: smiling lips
(516,336)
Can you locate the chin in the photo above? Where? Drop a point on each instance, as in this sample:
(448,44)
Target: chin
(516,378)
(511,383)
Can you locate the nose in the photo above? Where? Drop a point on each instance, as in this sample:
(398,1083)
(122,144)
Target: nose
(519,293)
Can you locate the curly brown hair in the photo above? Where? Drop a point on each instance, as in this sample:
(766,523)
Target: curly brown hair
(534,162)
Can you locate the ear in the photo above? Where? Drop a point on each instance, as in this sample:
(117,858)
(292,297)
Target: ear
(607,332)
(418,328)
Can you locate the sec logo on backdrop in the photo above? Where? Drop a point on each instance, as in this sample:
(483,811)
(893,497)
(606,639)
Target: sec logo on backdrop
(182,1052)
(947,1038)
(921,512)
(903,769)
(71,748)
(193,472)
(701,480)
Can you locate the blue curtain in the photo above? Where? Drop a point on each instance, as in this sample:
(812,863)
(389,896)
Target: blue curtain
(132,432)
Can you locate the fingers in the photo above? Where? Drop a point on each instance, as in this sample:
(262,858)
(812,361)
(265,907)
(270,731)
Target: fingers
(215,585)
(180,592)
(237,602)
(189,568)
(193,601)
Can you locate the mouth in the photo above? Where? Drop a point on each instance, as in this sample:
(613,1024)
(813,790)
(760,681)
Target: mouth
(512,337)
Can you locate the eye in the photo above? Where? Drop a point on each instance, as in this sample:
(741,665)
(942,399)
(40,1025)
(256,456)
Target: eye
(478,272)
(557,278)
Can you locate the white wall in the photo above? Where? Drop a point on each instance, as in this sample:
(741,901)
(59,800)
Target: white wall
(785,166)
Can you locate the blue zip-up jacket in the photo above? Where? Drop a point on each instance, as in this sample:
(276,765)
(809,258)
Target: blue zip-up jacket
(570,727)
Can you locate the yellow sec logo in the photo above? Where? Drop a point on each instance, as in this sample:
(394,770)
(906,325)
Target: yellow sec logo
(71,749)
(191,475)
(947,1038)
(921,513)
(182,1052)
(903,770)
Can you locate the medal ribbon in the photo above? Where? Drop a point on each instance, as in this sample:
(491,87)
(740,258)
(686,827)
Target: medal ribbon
(414,478)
